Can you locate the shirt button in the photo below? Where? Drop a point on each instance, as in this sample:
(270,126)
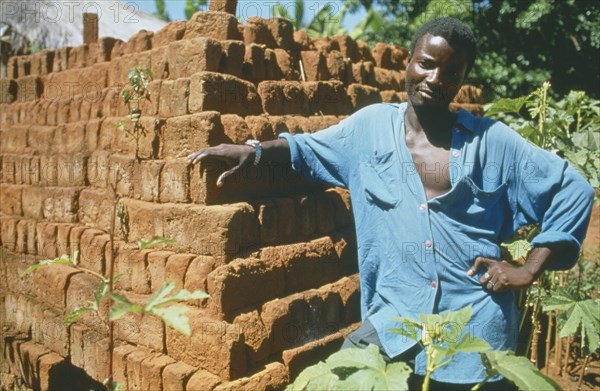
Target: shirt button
(423,207)
(428,243)
(433,284)
(456,130)
(455,153)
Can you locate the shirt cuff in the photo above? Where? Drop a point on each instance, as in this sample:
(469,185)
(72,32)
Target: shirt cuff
(297,163)
(554,238)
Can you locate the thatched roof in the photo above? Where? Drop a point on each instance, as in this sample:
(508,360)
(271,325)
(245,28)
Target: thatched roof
(58,23)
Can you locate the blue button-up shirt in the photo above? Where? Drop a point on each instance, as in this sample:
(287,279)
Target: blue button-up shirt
(414,253)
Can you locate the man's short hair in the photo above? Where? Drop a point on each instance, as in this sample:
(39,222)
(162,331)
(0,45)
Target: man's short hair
(458,35)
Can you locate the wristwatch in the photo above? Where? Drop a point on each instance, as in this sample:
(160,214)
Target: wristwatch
(257,148)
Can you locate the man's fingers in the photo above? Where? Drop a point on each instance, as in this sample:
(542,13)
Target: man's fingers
(480,261)
(223,176)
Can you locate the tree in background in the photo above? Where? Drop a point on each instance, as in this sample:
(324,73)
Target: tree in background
(161,11)
(193,6)
(521,42)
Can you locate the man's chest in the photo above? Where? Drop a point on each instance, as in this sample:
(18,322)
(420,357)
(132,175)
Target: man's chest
(433,166)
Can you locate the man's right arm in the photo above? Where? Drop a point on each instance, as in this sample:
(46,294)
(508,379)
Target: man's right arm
(239,156)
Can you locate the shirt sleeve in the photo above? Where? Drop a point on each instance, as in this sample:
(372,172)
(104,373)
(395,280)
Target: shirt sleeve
(545,189)
(329,156)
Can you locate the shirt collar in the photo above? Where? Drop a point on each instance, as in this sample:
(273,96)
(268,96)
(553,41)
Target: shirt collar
(465,120)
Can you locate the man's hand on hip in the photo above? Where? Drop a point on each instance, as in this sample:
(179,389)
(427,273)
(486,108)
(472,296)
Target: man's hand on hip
(501,275)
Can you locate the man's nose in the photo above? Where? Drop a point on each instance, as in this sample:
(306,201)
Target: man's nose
(434,76)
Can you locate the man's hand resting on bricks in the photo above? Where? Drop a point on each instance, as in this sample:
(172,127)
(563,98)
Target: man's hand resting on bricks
(240,156)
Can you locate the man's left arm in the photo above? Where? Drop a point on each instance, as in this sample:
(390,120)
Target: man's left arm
(546,190)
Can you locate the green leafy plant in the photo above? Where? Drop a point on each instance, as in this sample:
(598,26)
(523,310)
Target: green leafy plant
(365,369)
(133,94)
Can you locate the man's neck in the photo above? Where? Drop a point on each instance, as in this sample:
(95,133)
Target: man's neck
(435,123)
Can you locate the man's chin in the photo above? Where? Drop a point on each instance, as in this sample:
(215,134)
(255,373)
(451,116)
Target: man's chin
(429,105)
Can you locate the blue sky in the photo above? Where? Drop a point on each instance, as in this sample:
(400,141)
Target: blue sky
(248,8)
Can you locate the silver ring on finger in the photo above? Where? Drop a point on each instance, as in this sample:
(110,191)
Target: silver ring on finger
(487,276)
(490,285)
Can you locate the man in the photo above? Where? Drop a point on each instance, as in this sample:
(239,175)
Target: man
(434,193)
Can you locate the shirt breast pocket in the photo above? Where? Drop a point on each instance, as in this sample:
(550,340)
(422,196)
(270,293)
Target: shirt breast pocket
(379,180)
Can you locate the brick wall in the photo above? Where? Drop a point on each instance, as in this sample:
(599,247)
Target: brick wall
(277,255)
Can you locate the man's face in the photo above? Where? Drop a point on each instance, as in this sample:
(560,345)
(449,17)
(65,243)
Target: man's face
(435,73)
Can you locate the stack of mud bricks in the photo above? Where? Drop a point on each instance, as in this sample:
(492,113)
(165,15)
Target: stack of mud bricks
(277,255)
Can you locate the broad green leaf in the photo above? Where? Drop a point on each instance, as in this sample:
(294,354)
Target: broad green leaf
(506,106)
(155,241)
(115,386)
(63,260)
(183,295)
(174,316)
(472,344)
(519,370)
(99,293)
(357,358)
(517,249)
(410,329)
(72,316)
(118,311)
(317,377)
(159,296)
(584,315)
(460,317)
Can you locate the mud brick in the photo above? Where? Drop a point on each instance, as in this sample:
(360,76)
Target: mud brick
(134,368)
(325,214)
(364,51)
(157,261)
(28,169)
(75,108)
(283,97)
(91,250)
(174,95)
(260,128)
(29,354)
(62,238)
(72,169)
(61,205)
(382,53)
(76,336)
(12,68)
(386,79)
(61,59)
(124,174)
(120,354)
(197,272)
(348,47)
(287,62)
(79,56)
(176,267)
(48,329)
(22,232)
(9,232)
(307,222)
(175,181)
(39,138)
(49,364)
(306,265)
(141,330)
(267,219)
(14,139)
(33,201)
(186,134)
(227,283)
(152,368)
(254,63)
(151,106)
(118,49)
(390,97)
(12,203)
(69,138)
(63,110)
(274,377)
(215,346)
(189,56)
(104,47)
(7,173)
(48,170)
(256,337)
(314,65)
(340,198)
(362,96)
(139,42)
(96,359)
(297,359)
(327,98)
(173,31)
(258,31)
(282,31)
(80,292)
(202,380)
(286,218)
(118,68)
(75,236)
(98,169)
(235,128)
(42,63)
(217,25)
(51,283)
(159,62)
(24,66)
(32,237)
(112,104)
(8,91)
(175,376)
(338,67)
(326,44)
(224,93)
(131,264)
(149,185)
(272,71)
(232,58)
